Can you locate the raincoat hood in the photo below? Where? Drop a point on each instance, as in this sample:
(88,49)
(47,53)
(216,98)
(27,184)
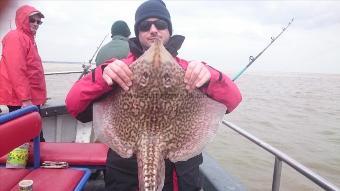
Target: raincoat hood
(22,18)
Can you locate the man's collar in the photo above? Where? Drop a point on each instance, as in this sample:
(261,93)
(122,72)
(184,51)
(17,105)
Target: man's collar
(174,44)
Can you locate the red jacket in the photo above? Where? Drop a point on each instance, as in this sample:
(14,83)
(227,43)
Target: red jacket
(86,90)
(21,71)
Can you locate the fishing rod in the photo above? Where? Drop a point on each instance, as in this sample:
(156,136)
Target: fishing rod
(88,66)
(252,59)
(90,61)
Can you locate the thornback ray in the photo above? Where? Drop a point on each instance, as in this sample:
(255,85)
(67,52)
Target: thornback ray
(157,118)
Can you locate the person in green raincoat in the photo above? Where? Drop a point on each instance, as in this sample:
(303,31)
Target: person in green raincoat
(118,47)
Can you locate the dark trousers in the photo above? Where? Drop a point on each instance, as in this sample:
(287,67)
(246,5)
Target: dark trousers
(13,108)
(122,174)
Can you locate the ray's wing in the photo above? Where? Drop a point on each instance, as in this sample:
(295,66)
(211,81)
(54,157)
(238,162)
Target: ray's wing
(112,123)
(198,120)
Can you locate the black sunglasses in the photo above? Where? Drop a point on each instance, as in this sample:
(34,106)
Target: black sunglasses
(146,25)
(32,20)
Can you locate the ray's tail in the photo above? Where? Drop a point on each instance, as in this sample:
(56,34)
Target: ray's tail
(151,166)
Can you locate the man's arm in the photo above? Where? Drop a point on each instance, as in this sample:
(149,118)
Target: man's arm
(85,91)
(222,89)
(95,84)
(212,82)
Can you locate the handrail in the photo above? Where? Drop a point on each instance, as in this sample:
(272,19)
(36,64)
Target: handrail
(65,72)
(279,157)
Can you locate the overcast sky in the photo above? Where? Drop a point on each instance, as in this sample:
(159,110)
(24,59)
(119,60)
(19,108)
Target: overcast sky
(222,33)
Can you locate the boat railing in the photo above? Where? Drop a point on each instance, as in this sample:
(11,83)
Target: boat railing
(65,72)
(282,157)
(86,67)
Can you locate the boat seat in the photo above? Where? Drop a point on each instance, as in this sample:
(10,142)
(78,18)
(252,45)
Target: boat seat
(12,177)
(19,127)
(91,155)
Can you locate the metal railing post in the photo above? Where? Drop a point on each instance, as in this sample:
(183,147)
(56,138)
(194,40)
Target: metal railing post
(277,174)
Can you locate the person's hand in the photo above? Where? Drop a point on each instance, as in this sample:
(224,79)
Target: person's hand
(196,75)
(26,103)
(118,72)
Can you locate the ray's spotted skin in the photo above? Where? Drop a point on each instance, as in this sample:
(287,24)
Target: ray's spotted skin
(157,118)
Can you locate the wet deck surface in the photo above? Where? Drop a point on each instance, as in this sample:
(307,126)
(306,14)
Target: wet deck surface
(95,185)
(96,182)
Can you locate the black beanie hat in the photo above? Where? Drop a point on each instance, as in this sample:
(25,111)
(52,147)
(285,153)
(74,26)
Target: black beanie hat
(152,8)
(120,28)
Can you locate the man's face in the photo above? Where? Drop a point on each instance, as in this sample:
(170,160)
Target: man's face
(35,21)
(150,29)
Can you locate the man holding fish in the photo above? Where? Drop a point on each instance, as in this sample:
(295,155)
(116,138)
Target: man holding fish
(152,22)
